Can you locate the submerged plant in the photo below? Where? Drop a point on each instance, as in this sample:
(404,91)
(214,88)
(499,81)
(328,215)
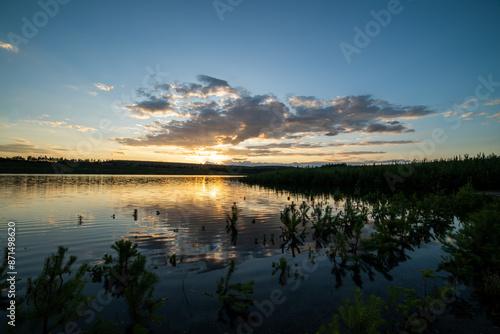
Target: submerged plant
(291,232)
(283,266)
(235,297)
(172,259)
(231,223)
(475,248)
(358,316)
(126,275)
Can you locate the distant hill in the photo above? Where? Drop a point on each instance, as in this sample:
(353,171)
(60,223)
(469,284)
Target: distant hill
(47,165)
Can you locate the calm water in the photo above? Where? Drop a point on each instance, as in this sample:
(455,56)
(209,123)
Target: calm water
(185,215)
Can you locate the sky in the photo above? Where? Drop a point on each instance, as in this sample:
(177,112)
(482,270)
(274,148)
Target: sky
(250,82)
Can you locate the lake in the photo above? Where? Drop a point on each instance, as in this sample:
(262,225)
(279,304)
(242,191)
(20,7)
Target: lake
(186,216)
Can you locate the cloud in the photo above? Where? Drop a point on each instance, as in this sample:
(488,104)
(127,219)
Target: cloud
(323,145)
(211,112)
(104,87)
(496,115)
(492,103)
(23,146)
(9,47)
(210,87)
(62,124)
(467,104)
(359,152)
(117,153)
(467,115)
(389,128)
(450,113)
(211,124)
(245,152)
(21,140)
(153,106)
(378,142)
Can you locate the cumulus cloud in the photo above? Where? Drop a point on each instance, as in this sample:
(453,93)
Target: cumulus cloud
(153,106)
(9,47)
(211,112)
(104,87)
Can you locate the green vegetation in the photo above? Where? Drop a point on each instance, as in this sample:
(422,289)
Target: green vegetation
(55,299)
(357,316)
(52,298)
(476,245)
(126,275)
(284,268)
(51,165)
(293,220)
(482,171)
(231,224)
(404,312)
(235,297)
(397,223)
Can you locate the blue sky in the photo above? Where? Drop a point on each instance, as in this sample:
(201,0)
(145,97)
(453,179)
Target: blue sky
(246,82)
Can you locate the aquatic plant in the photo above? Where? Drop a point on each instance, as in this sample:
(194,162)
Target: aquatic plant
(324,224)
(233,218)
(358,316)
(284,268)
(52,298)
(172,259)
(139,296)
(291,234)
(235,297)
(231,224)
(126,275)
(475,247)
(489,294)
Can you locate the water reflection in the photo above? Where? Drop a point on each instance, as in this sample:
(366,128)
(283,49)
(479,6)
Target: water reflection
(198,224)
(164,215)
